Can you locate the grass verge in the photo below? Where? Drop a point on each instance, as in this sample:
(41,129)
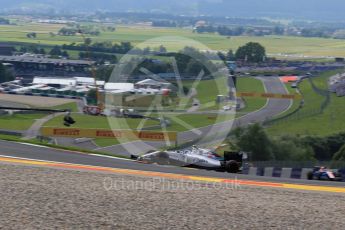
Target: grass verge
(25,121)
(305,122)
(44,143)
(18,121)
(247,84)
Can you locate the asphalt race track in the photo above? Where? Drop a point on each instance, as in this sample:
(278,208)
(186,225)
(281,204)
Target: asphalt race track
(273,108)
(20,150)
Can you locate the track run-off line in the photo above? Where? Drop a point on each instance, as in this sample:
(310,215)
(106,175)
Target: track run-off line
(62,165)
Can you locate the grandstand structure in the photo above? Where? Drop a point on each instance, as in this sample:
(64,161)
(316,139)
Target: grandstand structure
(30,65)
(337,84)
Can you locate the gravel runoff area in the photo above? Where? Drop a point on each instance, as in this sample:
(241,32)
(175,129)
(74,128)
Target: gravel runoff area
(35,101)
(47,198)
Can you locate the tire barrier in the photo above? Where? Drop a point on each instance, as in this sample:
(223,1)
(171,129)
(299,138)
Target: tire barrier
(277,172)
(268,171)
(342,172)
(305,172)
(292,173)
(260,172)
(269,95)
(296,173)
(252,171)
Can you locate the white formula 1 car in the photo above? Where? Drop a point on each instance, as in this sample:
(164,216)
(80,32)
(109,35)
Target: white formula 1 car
(197,158)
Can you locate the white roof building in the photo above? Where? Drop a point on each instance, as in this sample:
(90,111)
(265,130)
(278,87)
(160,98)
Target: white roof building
(82,90)
(85,80)
(152,83)
(147,91)
(119,87)
(64,89)
(88,81)
(54,81)
(100,83)
(46,88)
(28,88)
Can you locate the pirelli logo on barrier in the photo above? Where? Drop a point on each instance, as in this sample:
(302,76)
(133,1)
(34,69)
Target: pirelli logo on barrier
(108,134)
(269,95)
(66,132)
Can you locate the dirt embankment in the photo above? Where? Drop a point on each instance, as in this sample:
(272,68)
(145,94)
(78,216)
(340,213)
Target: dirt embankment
(46,198)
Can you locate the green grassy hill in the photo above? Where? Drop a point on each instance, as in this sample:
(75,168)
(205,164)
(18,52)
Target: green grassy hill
(308,121)
(24,121)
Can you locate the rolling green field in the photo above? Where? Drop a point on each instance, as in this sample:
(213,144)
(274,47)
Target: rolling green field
(177,122)
(18,121)
(274,44)
(207,91)
(94,122)
(24,121)
(329,122)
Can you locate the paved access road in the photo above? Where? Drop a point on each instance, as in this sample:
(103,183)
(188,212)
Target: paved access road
(21,150)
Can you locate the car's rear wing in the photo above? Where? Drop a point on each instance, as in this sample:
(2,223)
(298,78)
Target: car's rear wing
(233,156)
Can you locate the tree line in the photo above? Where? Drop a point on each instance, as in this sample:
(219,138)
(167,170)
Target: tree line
(321,32)
(4,21)
(164,23)
(102,52)
(261,147)
(240,30)
(252,52)
(74,29)
(189,60)
(103,47)
(56,51)
(99,58)
(5,75)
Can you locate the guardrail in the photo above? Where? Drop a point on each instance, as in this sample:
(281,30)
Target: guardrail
(10,132)
(298,164)
(291,173)
(321,92)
